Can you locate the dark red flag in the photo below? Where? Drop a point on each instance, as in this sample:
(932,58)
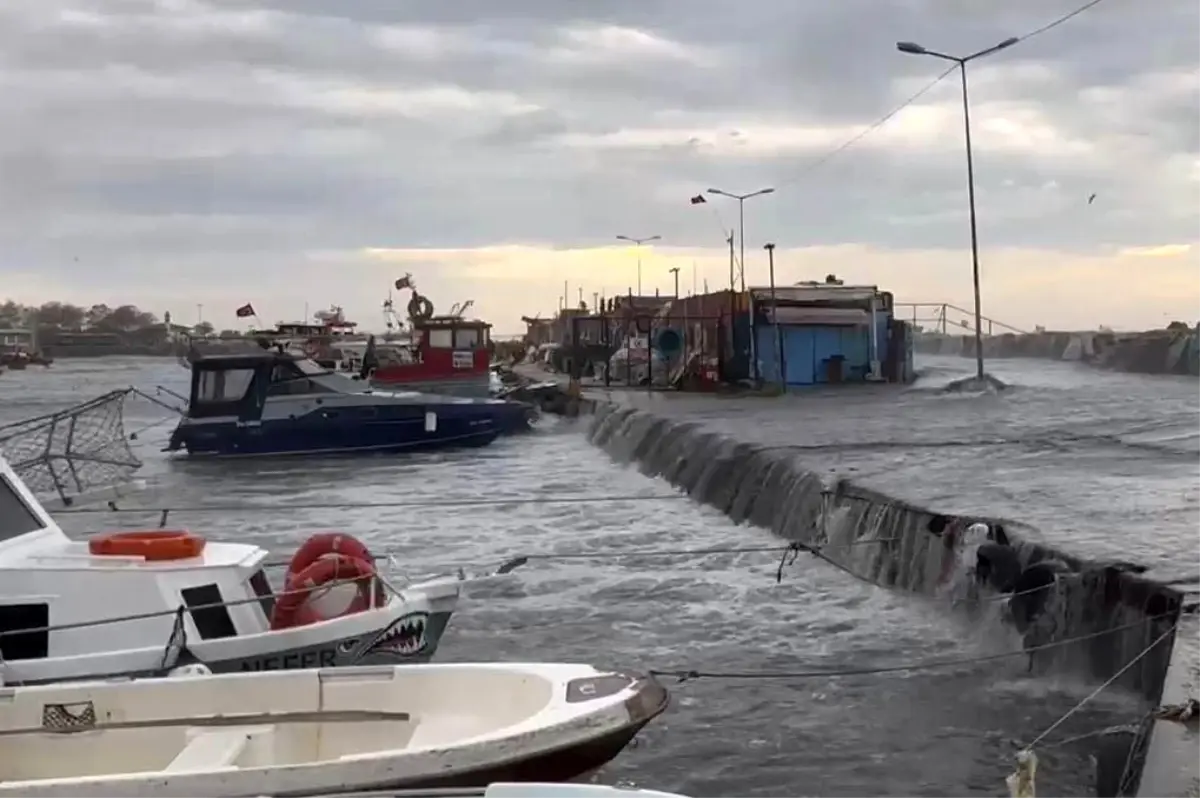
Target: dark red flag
(245,311)
(698,199)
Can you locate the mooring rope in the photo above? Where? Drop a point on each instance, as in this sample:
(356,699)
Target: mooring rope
(111,507)
(1100,689)
(688,674)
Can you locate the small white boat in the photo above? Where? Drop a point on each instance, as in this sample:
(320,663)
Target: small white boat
(313,732)
(520,789)
(140,603)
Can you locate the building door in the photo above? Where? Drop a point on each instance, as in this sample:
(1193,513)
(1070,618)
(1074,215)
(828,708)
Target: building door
(798,361)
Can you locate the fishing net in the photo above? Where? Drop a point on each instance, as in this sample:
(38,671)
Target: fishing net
(74,451)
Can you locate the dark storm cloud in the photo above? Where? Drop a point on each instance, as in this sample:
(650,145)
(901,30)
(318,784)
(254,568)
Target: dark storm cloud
(230,126)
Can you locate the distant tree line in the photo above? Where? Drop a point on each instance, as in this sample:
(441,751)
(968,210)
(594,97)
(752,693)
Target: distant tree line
(65,317)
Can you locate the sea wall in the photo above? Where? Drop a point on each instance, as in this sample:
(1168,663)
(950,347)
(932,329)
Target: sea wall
(1155,352)
(894,544)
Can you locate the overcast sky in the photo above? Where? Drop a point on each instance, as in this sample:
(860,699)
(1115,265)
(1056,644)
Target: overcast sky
(218,152)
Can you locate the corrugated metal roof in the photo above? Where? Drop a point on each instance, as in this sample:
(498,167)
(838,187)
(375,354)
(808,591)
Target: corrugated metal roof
(818,293)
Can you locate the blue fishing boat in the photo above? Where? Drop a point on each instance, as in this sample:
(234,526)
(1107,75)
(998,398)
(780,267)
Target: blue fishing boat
(268,402)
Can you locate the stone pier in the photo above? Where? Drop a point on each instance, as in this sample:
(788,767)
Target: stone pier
(903,543)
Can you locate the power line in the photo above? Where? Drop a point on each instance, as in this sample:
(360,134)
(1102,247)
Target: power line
(1060,20)
(883,120)
(112,507)
(878,123)
(684,675)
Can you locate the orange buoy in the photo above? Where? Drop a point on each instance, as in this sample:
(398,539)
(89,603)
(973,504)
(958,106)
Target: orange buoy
(153,546)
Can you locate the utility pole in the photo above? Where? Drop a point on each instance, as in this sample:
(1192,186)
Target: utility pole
(913,48)
(675,271)
(782,368)
(637,242)
(741,201)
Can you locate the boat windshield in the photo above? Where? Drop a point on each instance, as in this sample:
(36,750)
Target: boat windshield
(310,369)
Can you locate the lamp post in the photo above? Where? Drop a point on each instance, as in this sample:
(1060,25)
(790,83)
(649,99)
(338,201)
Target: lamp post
(770,248)
(675,271)
(741,201)
(637,242)
(913,48)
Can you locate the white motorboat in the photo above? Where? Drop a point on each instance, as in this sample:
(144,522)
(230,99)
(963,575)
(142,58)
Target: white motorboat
(140,603)
(520,789)
(312,732)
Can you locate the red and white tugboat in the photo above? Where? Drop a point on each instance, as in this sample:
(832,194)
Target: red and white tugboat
(445,354)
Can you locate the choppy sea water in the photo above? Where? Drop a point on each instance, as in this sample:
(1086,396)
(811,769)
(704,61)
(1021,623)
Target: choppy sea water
(944,732)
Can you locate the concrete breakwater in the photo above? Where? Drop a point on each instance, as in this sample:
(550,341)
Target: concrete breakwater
(1175,351)
(1099,619)
(1048,595)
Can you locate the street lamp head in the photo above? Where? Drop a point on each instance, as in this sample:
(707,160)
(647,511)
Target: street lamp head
(624,238)
(767,191)
(653,238)
(1009,42)
(912,48)
(768,246)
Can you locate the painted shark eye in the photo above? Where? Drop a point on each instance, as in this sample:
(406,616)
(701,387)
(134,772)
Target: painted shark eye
(346,646)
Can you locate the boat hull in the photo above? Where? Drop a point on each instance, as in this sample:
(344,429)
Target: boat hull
(406,631)
(344,431)
(552,722)
(474,385)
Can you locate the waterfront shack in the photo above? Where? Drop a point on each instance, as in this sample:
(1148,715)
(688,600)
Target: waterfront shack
(827,333)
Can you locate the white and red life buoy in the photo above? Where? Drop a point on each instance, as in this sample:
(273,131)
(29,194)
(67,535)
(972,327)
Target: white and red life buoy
(297,606)
(325,544)
(341,558)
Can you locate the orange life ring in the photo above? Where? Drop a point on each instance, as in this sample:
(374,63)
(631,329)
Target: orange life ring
(153,545)
(292,607)
(325,544)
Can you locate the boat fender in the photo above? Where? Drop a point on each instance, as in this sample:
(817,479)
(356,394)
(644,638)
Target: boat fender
(997,565)
(153,545)
(189,670)
(1032,590)
(294,606)
(327,544)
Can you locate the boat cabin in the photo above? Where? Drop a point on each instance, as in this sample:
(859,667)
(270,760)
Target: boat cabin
(239,385)
(54,591)
(453,342)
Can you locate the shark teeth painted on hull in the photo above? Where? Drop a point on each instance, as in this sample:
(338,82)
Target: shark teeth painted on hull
(405,637)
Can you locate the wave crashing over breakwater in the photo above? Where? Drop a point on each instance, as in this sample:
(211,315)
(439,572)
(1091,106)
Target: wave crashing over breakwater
(895,544)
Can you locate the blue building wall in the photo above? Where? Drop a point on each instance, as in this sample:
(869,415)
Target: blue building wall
(808,350)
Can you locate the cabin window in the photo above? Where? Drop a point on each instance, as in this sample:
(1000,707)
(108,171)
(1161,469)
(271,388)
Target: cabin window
(224,386)
(16,517)
(289,380)
(209,612)
(466,338)
(441,339)
(33,644)
(262,589)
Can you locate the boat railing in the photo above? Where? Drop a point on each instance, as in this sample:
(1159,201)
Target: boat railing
(177,639)
(73,452)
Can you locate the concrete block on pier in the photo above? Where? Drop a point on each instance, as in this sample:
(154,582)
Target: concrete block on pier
(1174,351)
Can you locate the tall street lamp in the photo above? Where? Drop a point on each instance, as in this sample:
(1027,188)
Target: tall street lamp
(741,201)
(913,48)
(637,242)
(675,271)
